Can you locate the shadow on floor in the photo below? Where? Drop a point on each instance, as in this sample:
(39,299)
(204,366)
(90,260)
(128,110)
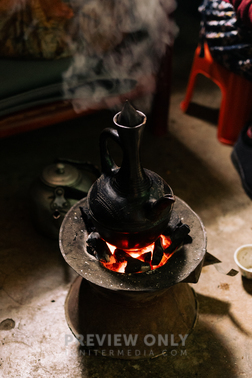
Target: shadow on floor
(216,307)
(203,113)
(247,285)
(204,355)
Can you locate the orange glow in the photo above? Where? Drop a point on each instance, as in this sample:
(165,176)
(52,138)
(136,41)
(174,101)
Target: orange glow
(141,254)
(165,241)
(112,248)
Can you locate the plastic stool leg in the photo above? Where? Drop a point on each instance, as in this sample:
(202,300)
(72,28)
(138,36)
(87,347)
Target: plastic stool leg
(201,65)
(189,91)
(235,109)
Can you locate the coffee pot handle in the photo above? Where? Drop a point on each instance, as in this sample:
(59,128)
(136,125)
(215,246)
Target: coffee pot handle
(107,163)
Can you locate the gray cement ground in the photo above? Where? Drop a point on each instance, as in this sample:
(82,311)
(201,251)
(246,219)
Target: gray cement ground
(34,278)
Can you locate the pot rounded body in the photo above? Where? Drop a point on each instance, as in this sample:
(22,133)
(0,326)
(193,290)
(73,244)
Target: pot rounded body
(125,221)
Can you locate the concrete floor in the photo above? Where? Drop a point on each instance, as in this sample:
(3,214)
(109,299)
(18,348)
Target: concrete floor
(34,278)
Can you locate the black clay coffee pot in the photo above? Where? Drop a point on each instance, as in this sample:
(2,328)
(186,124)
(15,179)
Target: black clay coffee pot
(129,206)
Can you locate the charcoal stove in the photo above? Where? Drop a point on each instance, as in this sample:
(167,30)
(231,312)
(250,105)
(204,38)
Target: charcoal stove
(132,315)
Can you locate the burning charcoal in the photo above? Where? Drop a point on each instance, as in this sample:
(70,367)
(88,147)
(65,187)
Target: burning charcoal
(98,247)
(146,257)
(120,255)
(177,232)
(180,233)
(173,224)
(135,265)
(157,253)
(173,246)
(87,219)
(178,237)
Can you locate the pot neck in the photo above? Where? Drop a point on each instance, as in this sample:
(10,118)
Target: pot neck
(131,178)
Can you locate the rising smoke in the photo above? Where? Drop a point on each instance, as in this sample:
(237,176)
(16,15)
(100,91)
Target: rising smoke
(119,44)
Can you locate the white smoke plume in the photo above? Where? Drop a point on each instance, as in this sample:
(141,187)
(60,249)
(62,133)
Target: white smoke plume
(119,44)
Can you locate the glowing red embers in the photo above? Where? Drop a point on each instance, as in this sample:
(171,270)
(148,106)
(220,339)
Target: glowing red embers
(139,260)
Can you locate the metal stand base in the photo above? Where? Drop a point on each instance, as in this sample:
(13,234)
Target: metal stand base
(138,325)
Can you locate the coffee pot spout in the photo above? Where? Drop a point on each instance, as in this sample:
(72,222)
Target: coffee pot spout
(162,205)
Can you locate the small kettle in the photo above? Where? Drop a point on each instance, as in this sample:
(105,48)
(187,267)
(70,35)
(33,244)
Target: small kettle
(56,190)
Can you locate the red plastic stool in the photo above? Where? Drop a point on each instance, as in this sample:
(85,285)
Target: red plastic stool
(236,103)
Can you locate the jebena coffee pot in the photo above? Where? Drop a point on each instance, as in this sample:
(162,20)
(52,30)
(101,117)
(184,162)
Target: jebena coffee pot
(129,206)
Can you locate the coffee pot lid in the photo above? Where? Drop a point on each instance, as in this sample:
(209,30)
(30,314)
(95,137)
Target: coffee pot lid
(60,175)
(129,116)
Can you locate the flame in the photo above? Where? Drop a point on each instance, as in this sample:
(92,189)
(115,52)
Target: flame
(165,241)
(112,248)
(138,254)
(114,264)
